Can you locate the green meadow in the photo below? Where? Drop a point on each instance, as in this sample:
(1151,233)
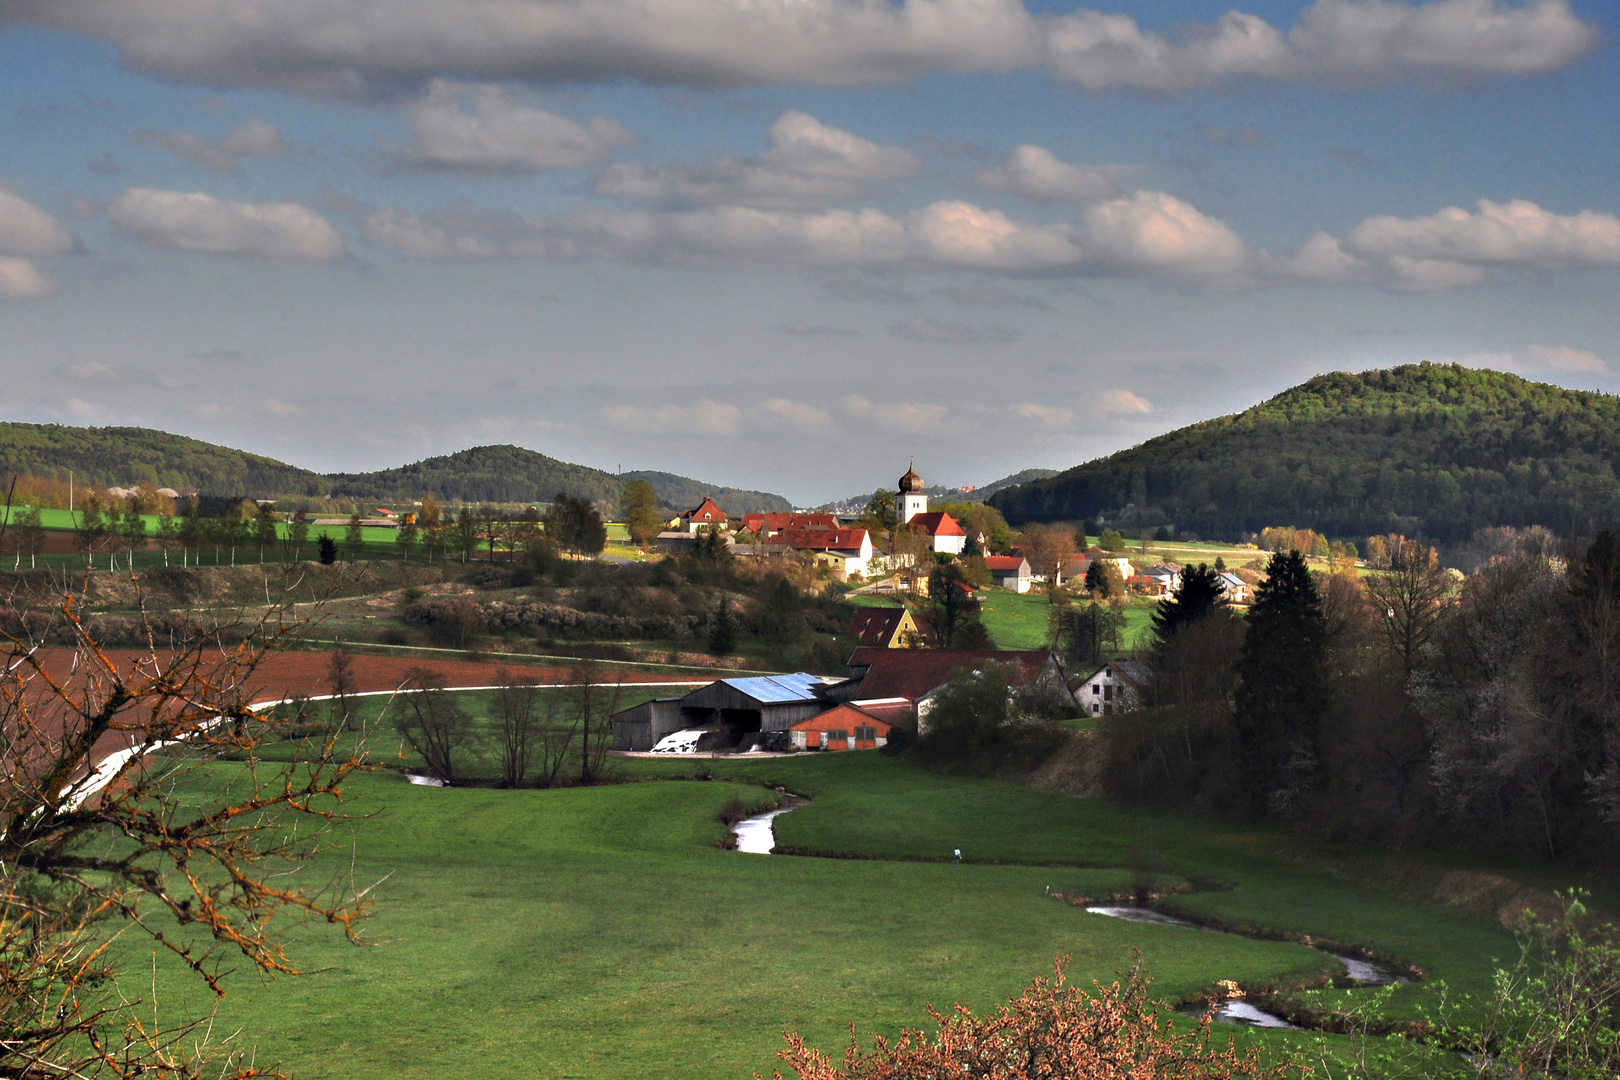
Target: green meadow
(602,933)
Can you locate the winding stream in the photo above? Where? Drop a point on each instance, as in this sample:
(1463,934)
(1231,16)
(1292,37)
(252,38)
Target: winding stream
(1235,1010)
(756,835)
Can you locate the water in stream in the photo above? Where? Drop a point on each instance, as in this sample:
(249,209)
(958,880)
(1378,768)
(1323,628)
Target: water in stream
(1237,1011)
(756,835)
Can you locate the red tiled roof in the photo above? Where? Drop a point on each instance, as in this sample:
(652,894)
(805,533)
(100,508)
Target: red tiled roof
(707,511)
(821,539)
(776,522)
(1003,562)
(911,673)
(937,523)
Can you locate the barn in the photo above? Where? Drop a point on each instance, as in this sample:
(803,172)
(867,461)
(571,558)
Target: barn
(855,725)
(739,707)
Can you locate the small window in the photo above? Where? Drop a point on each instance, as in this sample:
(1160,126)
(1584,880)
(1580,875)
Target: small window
(1108,693)
(838,736)
(1096,688)
(866,734)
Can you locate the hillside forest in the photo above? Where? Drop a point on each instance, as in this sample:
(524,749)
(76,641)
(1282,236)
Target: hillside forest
(1436,450)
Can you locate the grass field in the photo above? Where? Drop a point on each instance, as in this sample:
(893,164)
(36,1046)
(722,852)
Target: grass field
(600,933)
(1019,620)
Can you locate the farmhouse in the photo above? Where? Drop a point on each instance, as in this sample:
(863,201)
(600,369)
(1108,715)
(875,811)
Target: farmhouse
(855,725)
(707,513)
(1112,688)
(890,628)
(844,551)
(1009,571)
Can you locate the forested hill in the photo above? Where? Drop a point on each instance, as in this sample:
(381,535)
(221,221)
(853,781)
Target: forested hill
(126,456)
(1432,449)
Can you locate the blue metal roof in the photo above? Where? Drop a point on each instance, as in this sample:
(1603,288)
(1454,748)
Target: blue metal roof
(799,686)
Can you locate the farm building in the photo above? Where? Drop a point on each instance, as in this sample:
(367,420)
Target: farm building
(856,725)
(891,628)
(1009,571)
(767,525)
(738,707)
(641,726)
(1112,688)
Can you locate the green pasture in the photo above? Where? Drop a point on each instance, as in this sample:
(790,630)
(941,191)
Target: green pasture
(600,933)
(1019,620)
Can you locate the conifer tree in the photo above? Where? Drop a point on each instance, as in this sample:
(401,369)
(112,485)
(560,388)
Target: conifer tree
(1282,691)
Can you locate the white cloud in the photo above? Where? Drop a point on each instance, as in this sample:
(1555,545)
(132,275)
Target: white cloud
(252,139)
(198,222)
(20,279)
(1354,42)
(1563,358)
(909,416)
(1123,401)
(1047,415)
(805,418)
(502,133)
(1148,233)
(809,165)
(701,419)
(1512,233)
(26,231)
(1152,230)
(1034,173)
(340,48)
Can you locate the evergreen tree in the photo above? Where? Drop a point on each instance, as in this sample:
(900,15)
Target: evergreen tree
(353,538)
(1199,595)
(781,621)
(1282,690)
(722,628)
(328,549)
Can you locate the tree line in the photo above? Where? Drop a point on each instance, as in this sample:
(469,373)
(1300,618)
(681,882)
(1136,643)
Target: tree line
(1410,705)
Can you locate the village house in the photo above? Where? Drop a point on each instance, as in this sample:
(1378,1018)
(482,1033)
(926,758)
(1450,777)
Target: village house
(945,534)
(846,552)
(1113,688)
(1234,588)
(707,513)
(890,628)
(855,725)
(768,525)
(1163,579)
(1009,572)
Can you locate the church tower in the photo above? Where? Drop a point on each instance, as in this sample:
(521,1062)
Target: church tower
(912,500)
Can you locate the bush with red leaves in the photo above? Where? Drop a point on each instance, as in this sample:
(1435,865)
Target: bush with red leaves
(1053,1031)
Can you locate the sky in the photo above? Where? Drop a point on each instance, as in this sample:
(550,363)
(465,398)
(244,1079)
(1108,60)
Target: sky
(787,244)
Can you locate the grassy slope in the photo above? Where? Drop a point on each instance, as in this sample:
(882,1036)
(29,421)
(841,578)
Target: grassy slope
(598,933)
(1019,620)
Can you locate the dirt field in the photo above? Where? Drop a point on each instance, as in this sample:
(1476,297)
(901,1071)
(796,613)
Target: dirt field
(309,673)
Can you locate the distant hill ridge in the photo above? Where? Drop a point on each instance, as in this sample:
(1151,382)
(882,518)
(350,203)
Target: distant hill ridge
(126,456)
(1438,450)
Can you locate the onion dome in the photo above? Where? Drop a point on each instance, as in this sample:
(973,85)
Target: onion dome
(911,482)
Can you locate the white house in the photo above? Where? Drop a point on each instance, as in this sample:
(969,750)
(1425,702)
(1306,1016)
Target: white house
(1235,588)
(1166,578)
(1113,688)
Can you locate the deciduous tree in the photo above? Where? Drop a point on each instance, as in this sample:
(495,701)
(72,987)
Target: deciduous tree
(430,719)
